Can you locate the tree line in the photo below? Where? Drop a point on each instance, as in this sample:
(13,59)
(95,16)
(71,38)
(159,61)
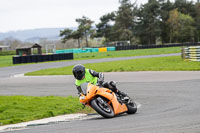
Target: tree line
(155,22)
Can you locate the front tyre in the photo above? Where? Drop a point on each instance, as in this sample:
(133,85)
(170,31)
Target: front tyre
(132,108)
(102,107)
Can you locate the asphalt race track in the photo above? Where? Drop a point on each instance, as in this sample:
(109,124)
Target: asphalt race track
(170,102)
(168,105)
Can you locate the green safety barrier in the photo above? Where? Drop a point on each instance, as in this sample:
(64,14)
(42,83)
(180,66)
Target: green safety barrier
(111,48)
(83,50)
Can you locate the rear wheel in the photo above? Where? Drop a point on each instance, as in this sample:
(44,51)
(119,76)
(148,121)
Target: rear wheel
(101,106)
(132,108)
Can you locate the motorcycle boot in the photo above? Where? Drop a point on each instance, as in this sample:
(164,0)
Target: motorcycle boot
(123,96)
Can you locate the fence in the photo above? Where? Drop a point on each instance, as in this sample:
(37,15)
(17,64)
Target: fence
(154,46)
(191,53)
(41,58)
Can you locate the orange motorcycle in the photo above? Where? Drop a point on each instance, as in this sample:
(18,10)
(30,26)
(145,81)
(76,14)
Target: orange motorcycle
(105,102)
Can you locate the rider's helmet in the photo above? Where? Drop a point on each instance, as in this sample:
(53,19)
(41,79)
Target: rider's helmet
(79,71)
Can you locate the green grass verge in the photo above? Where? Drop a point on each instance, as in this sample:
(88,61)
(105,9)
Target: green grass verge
(7,60)
(15,109)
(172,63)
(125,53)
(7,52)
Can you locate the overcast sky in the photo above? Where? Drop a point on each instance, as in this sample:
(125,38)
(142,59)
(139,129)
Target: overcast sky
(31,14)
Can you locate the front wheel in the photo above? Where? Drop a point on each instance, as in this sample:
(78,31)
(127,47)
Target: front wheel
(102,107)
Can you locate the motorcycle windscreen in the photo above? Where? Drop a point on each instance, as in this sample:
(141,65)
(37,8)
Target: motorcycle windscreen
(84,87)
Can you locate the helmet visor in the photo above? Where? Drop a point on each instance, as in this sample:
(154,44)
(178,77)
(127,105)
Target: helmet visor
(79,75)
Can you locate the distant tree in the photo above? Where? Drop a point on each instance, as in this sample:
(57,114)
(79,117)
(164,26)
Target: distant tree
(16,43)
(66,34)
(84,30)
(77,35)
(124,22)
(70,34)
(85,27)
(13,43)
(104,27)
(186,32)
(148,24)
(174,25)
(185,7)
(181,27)
(197,21)
(165,7)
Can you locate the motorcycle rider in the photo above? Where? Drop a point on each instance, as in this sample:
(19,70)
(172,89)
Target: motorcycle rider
(83,75)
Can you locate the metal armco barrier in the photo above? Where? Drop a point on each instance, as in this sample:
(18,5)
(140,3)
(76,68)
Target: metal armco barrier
(42,58)
(191,53)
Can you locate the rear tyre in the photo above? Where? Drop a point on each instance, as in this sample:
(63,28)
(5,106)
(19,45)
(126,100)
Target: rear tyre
(132,108)
(102,107)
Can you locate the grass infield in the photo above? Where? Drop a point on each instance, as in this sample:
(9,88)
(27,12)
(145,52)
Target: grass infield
(15,109)
(6,61)
(171,63)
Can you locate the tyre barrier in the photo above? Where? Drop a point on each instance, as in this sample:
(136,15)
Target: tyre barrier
(42,58)
(132,47)
(191,53)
